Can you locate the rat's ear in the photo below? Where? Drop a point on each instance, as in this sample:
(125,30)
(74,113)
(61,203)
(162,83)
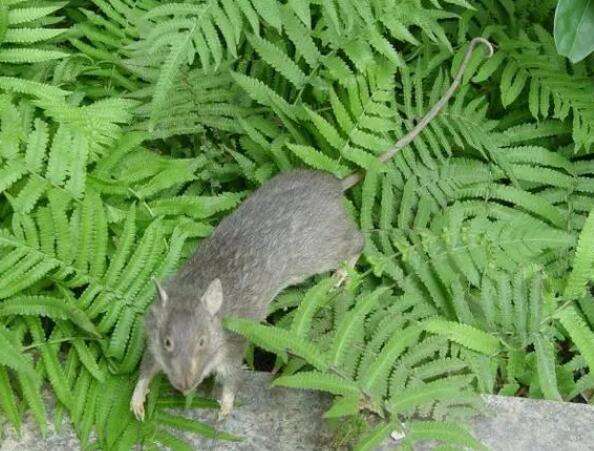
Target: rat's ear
(161,293)
(213,297)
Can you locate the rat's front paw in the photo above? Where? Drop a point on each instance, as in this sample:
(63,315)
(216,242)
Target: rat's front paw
(137,406)
(226,406)
(224,413)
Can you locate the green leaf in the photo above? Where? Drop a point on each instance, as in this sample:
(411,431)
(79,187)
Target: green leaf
(8,400)
(309,306)
(316,380)
(177,55)
(22,15)
(583,260)
(441,389)
(317,159)
(278,340)
(375,437)
(443,431)
(172,442)
(11,357)
(270,12)
(301,9)
(574,28)
(21,56)
(580,333)
(345,406)
(191,425)
(3,21)
(47,306)
(378,371)
(278,59)
(464,334)
(545,363)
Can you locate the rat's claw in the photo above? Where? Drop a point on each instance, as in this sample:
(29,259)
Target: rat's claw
(226,402)
(222,416)
(341,275)
(224,413)
(137,407)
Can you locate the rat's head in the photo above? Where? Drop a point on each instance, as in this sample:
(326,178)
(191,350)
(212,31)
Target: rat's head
(186,333)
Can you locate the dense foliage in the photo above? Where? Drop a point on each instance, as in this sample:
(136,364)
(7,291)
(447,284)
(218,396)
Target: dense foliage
(129,128)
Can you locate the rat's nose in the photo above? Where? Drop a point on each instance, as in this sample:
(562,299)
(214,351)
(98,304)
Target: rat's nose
(185,385)
(181,385)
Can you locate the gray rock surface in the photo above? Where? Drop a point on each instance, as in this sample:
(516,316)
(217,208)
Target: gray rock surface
(282,419)
(532,425)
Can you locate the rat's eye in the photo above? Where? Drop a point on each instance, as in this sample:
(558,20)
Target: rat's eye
(168,344)
(201,342)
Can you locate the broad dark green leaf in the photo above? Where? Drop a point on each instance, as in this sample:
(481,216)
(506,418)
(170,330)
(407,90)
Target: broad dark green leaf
(574,28)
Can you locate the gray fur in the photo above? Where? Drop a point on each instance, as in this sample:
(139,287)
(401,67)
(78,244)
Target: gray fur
(289,229)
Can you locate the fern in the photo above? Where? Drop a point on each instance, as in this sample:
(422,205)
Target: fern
(581,334)
(465,335)
(46,306)
(582,270)
(20,29)
(360,385)
(210,31)
(129,129)
(443,431)
(532,66)
(49,167)
(545,359)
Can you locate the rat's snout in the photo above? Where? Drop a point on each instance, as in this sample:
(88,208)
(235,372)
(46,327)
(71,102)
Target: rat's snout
(186,375)
(184,383)
(187,380)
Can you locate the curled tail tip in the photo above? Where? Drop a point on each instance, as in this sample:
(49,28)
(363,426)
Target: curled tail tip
(480,40)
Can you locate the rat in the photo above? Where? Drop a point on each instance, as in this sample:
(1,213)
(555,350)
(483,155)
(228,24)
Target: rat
(292,227)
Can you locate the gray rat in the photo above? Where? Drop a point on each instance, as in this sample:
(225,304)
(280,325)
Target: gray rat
(292,227)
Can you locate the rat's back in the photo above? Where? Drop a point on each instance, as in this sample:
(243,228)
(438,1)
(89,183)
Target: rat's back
(292,227)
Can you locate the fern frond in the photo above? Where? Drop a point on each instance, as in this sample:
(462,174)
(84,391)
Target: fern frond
(51,363)
(414,397)
(31,390)
(582,262)
(349,326)
(316,380)
(192,425)
(278,340)
(31,87)
(8,400)
(374,379)
(29,14)
(278,60)
(582,336)
(443,431)
(545,362)
(375,437)
(47,306)
(172,442)
(343,406)
(468,336)
(311,302)
(317,160)
(12,358)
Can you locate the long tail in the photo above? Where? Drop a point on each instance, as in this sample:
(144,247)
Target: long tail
(354,178)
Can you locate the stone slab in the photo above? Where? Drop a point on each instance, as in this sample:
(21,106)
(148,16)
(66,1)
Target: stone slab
(279,419)
(520,424)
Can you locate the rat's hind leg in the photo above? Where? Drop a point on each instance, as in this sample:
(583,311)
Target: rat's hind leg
(341,274)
